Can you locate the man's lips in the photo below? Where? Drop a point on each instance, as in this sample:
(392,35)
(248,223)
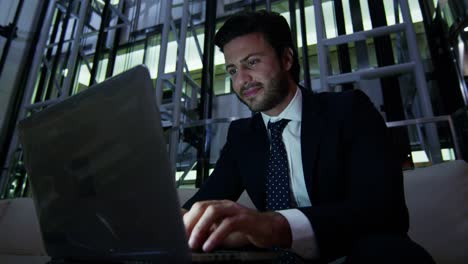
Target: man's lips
(251,91)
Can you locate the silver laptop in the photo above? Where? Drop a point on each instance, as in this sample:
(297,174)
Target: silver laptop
(101,177)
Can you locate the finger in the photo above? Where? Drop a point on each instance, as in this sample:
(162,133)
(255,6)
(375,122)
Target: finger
(213,214)
(263,235)
(228,226)
(235,240)
(191,218)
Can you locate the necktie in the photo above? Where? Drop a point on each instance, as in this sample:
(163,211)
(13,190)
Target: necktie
(277,184)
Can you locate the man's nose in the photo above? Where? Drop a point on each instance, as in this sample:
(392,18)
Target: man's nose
(243,77)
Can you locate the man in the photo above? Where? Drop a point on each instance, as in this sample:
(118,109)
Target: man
(318,167)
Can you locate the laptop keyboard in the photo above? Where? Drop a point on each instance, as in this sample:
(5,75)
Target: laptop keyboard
(68,261)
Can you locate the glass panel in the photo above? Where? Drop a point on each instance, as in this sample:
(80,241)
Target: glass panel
(84,76)
(366,20)
(152,55)
(171,56)
(310,25)
(101,71)
(390,12)
(329,19)
(128,58)
(193,57)
(347,17)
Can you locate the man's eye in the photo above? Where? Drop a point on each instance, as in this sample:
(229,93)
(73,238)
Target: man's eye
(252,62)
(232,71)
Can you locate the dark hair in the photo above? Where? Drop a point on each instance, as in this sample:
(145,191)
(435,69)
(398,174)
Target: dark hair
(272,25)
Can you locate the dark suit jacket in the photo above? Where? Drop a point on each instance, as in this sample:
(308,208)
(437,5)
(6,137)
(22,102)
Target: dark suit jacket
(353,180)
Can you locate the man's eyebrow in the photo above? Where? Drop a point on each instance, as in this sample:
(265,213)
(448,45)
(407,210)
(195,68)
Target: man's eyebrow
(250,55)
(228,66)
(243,59)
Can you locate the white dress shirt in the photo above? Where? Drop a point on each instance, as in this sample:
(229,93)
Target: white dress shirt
(303,236)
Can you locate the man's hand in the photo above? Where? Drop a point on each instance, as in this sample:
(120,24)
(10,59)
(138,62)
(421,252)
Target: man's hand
(210,224)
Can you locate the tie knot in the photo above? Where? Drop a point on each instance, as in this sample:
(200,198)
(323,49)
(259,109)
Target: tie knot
(277,127)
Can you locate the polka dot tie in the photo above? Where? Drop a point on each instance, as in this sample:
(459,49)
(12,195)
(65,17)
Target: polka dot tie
(277,185)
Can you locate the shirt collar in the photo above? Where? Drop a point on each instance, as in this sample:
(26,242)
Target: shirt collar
(292,112)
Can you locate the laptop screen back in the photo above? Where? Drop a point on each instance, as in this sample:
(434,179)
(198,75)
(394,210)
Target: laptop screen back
(100,174)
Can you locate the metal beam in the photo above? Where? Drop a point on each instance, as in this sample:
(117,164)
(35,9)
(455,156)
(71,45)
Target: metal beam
(435,119)
(421,84)
(114,48)
(166,11)
(66,87)
(292,20)
(101,42)
(268,5)
(11,36)
(56,64)
(321,48)
(305,48)
(28,91)
(342,49)
(359,46)
(174,138)
(206,98)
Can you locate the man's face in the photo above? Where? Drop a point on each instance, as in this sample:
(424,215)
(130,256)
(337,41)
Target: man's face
(259,77)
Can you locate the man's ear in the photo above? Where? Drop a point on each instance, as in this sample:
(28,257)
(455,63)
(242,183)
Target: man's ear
(287,58)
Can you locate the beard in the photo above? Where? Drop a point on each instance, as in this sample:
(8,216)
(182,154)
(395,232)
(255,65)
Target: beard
(274,92)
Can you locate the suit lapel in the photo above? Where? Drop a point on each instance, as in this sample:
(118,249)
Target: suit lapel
(310,140)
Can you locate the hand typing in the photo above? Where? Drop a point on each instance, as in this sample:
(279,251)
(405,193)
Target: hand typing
(210,224)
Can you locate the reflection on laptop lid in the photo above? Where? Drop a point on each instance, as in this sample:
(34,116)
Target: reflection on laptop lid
(99,170)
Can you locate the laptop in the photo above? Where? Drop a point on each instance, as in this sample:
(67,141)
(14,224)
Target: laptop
(102,181)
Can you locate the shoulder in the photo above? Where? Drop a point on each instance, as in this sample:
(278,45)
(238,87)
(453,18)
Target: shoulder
(241,124)
(244,125)
(338,102)
(339,107)
(247,127)
(338,97)
(245,133)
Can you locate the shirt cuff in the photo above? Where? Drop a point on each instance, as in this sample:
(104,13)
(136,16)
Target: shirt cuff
(303,237)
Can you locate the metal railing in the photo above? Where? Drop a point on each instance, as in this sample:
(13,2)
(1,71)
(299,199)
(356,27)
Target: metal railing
(427,120)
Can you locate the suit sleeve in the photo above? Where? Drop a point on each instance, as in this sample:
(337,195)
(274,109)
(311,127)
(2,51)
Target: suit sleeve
(224,182)
(373,199)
